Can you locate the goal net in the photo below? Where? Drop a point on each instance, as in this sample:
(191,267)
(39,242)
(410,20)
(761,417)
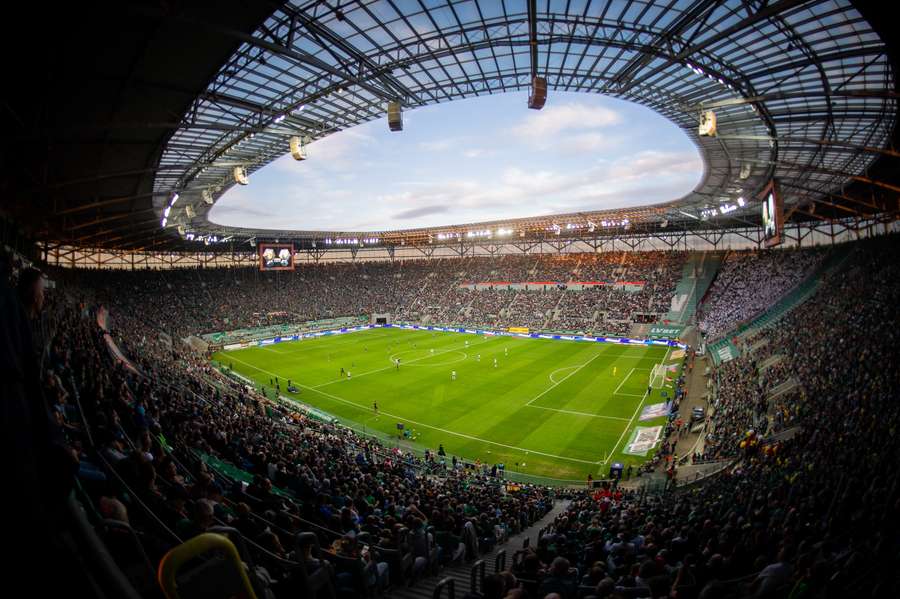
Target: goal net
(658,376)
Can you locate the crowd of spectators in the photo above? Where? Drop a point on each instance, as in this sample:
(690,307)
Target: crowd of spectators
(749,282)
(139,434)
(814,515)
(167,445)
(181,302)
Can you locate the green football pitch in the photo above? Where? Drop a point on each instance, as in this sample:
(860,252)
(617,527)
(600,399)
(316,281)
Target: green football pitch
(549,408)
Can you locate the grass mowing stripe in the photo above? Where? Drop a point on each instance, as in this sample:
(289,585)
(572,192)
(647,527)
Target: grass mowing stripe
(588,414)
(437,428)
(480,414)
(633,416)
(562,380)
(630,372)
(425,357)
(443,430)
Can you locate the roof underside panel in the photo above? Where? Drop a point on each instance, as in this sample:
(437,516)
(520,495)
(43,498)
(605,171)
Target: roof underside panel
(784,79)
(804,91)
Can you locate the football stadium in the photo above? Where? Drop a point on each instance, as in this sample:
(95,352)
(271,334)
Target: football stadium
(484,299)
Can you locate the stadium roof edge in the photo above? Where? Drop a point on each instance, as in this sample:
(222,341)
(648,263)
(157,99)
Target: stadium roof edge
(144,100)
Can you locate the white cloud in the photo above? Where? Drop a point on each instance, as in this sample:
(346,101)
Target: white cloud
(436,146)
(659,164)
(492,160)
(555,119)
(588,142)
(332,151)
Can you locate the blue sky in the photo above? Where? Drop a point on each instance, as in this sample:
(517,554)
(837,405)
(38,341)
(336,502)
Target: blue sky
(472,160)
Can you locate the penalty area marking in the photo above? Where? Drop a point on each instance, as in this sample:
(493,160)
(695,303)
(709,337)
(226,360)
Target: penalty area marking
(633,416)
(630,372)
(422,424)
(553,380)
(576,413)
(556,383)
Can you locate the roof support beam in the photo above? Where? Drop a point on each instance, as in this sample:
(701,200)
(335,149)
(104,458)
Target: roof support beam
(761,15)
(103,203)
(641,59)
(299,57)
(532,37)
(810,93)
(806,140)
(332,39)
(106,219)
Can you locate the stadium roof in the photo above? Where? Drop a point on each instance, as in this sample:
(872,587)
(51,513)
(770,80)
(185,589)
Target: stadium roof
(149,103)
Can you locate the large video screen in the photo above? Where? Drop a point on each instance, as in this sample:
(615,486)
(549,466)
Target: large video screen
(276,256)
(772,215)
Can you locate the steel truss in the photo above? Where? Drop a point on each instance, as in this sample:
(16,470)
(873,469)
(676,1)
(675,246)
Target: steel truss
(701,239)
(803,90)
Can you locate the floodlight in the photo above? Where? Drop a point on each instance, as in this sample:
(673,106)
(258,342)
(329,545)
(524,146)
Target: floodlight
(395,116)
(298,150)
(707,126)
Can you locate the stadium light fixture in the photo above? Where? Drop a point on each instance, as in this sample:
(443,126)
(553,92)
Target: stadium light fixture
(538,96)
(726,208)
(298,149)
(707,126)
(395,116)
(280,118)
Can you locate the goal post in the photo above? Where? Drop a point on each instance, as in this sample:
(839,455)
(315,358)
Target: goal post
(658,376)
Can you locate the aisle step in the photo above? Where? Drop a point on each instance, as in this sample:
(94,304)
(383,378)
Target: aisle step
(461,572)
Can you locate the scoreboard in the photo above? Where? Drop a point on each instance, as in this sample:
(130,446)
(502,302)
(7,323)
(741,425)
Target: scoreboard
(276,256)
(772,214)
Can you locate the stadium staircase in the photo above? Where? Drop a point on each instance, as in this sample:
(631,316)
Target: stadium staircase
(467,575)
(463,573)
(769,362)
(726,348)
(699,271)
